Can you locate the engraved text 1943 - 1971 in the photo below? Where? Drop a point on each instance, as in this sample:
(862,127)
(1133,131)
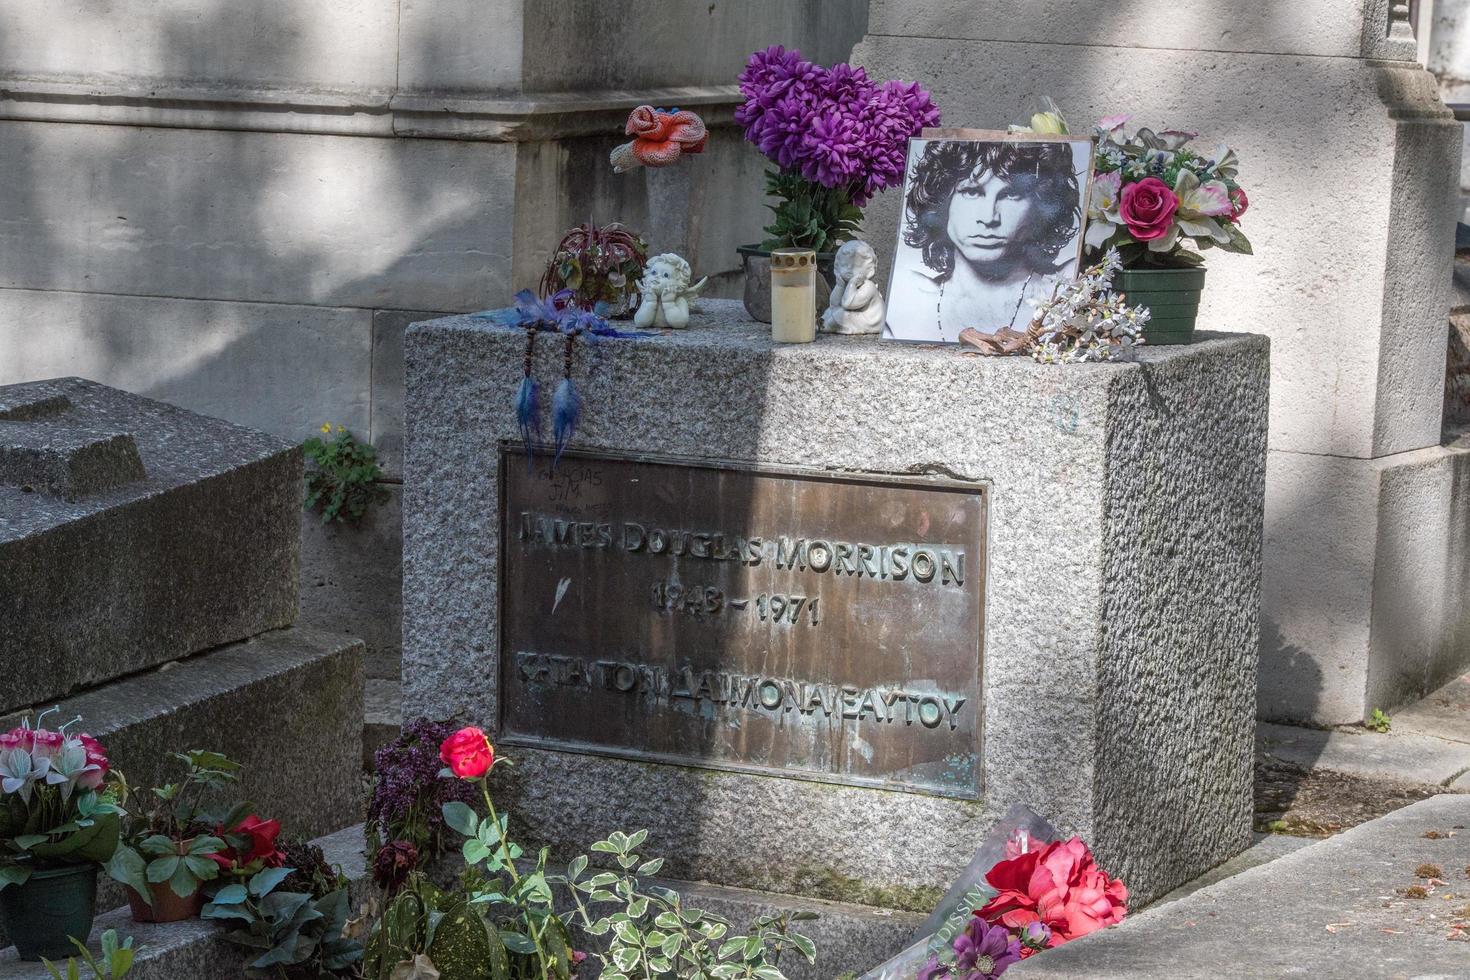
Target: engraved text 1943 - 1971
(803,624)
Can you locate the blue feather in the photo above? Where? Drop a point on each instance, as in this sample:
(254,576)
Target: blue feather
(566,410)
(528,412)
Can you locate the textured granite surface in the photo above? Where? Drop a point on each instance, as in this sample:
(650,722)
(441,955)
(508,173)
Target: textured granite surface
(1124,562)
(195,546)
(1341,902)
(287,704)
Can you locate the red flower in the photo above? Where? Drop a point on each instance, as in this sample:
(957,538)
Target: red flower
(467,753)
(1060,886)
(660,137)
(1147,208)
(96,756)
(1238,203)
(262,835)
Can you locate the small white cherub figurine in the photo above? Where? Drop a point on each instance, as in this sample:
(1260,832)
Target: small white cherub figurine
(856,306)
(666,293)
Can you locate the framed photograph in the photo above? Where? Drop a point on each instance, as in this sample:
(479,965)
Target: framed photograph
(987,217)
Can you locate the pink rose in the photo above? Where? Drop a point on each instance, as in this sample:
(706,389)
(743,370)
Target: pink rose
(467,753)
(1147,208)
(1238,203)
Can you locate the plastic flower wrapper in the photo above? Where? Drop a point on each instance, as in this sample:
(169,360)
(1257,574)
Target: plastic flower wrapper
(1021,829)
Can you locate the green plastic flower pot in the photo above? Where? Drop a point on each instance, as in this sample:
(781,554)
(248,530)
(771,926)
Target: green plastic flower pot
(53,905)
(1172,298)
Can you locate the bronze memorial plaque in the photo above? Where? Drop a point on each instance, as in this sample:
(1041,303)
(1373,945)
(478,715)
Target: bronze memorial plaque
(783,622)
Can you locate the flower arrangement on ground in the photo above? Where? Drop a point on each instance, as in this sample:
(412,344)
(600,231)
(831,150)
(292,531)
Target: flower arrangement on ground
(502,922)
(60,819)
(1045,896)
(1161,203)
(836,137)
(169,850)
(405,820)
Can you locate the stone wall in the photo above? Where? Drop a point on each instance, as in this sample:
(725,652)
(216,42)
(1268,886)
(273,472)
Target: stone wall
(1350,159)
(238,208)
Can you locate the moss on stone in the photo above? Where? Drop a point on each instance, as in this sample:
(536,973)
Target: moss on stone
(824,882)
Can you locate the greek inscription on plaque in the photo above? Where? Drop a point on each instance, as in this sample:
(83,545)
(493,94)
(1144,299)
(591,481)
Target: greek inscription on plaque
(784,622)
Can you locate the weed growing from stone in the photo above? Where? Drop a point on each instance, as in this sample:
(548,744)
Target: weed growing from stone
(1379,721)
(344,482)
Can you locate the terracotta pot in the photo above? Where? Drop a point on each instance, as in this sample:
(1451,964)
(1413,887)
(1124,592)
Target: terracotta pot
(53,905)
(167,906)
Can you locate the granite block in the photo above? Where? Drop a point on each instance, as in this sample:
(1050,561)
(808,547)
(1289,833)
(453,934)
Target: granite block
(1122,591)
(287,704)
(133,533)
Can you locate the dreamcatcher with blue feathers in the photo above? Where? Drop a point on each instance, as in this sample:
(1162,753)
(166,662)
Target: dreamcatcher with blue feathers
(553,314)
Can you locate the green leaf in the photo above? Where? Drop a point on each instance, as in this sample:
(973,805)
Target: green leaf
(201,867)
(184,883)
(651,867)
(262,882)
(230,895)
(474,851)
(626,959)
(575,869)
(769,973)
(517,942)
(163,868)
(463,819)
(805,946)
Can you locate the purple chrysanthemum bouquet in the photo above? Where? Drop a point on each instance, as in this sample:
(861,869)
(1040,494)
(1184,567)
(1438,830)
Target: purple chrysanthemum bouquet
(836,138)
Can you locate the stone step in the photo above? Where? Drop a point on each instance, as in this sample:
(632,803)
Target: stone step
(848,937)
(133,533)
(286,704)
(382,717)
(1358,904)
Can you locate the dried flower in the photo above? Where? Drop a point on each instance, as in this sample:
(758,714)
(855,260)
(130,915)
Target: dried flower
(393,864)
(1083,320)
(1428,871)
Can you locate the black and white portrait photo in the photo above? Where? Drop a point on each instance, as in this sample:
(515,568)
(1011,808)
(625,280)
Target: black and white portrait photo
(985,221)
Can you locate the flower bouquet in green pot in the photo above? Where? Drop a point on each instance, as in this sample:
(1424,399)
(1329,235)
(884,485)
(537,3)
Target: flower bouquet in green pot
(169,850)
(1163,206)
(59,822)
(836,139)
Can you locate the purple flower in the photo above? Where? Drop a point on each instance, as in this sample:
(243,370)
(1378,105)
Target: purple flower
(408,793)
(984,951)
(831,126)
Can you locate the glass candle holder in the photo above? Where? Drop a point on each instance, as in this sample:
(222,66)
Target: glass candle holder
(793,295)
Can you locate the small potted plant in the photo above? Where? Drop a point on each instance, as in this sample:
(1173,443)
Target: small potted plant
(836,139)
(1162,205)
(60,819)
(168,852)
(601,265)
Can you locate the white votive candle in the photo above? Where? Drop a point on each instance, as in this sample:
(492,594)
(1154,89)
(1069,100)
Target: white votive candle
(793,295)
